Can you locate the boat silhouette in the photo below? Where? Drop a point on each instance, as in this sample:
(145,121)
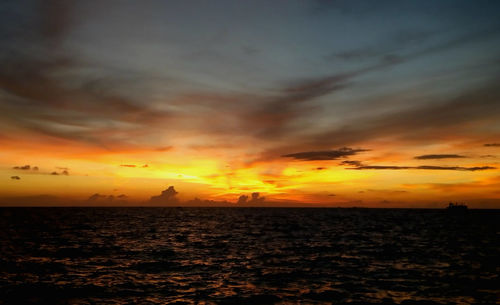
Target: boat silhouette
(457,207)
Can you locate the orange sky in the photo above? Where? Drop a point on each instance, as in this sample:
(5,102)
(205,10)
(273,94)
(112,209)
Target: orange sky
(395,106)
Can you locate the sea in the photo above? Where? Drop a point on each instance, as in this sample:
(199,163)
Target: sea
(248,256)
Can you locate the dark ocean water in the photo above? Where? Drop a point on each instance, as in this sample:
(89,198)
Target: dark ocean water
(248,256)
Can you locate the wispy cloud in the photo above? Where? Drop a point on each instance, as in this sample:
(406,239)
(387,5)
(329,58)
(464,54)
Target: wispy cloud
(325,155)
(442,156)
(423,167)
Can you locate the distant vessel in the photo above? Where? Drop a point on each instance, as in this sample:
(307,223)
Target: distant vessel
(456,207)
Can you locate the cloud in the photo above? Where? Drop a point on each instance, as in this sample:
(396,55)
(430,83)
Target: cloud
(167,197)
(242,199)
(325,155)
(444,156)
(423,167)
(25,167)
(128,165)
(273,114)
(64,173)
(459,168)
(419,123)
(351,162)
(256,199)
(96,197)
(100,198)
(15,178)
(380,167)
(492,144)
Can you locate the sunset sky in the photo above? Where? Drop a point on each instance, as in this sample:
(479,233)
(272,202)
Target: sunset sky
(313,103)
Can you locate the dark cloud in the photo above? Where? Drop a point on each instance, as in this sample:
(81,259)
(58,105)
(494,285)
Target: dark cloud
(255,199)
(420,123)
(242,199)
(351,163)
(15,178)
(25,167)
(99,198)
(459,168)
(488,156)
(492,145)
(325,155)
(443,156)
(167,197)
(128,165)
(274,113)
(380,167)
(35,168)
(64,173)
(96,197)
(423,167)
(320,168)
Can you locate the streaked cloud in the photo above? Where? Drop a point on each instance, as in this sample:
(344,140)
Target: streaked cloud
(439,156)
(325,155)
(423,167)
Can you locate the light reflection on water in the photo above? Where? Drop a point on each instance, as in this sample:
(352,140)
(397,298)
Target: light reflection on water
(247,256)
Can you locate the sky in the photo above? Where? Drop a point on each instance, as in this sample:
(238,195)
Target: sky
(240,103)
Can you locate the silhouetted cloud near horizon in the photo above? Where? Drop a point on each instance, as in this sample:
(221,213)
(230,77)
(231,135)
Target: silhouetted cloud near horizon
(256,199)
(15,178)
(440,156)
(128,165)
(492,144)
(106,199)
(25,167)
(167,197)
(325,154)
(423,167)
(96,196)
(64,173)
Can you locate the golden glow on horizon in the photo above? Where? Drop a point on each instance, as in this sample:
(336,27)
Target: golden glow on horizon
(141,175)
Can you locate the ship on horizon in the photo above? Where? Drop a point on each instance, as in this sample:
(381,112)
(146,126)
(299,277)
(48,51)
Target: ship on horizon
(457,207)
